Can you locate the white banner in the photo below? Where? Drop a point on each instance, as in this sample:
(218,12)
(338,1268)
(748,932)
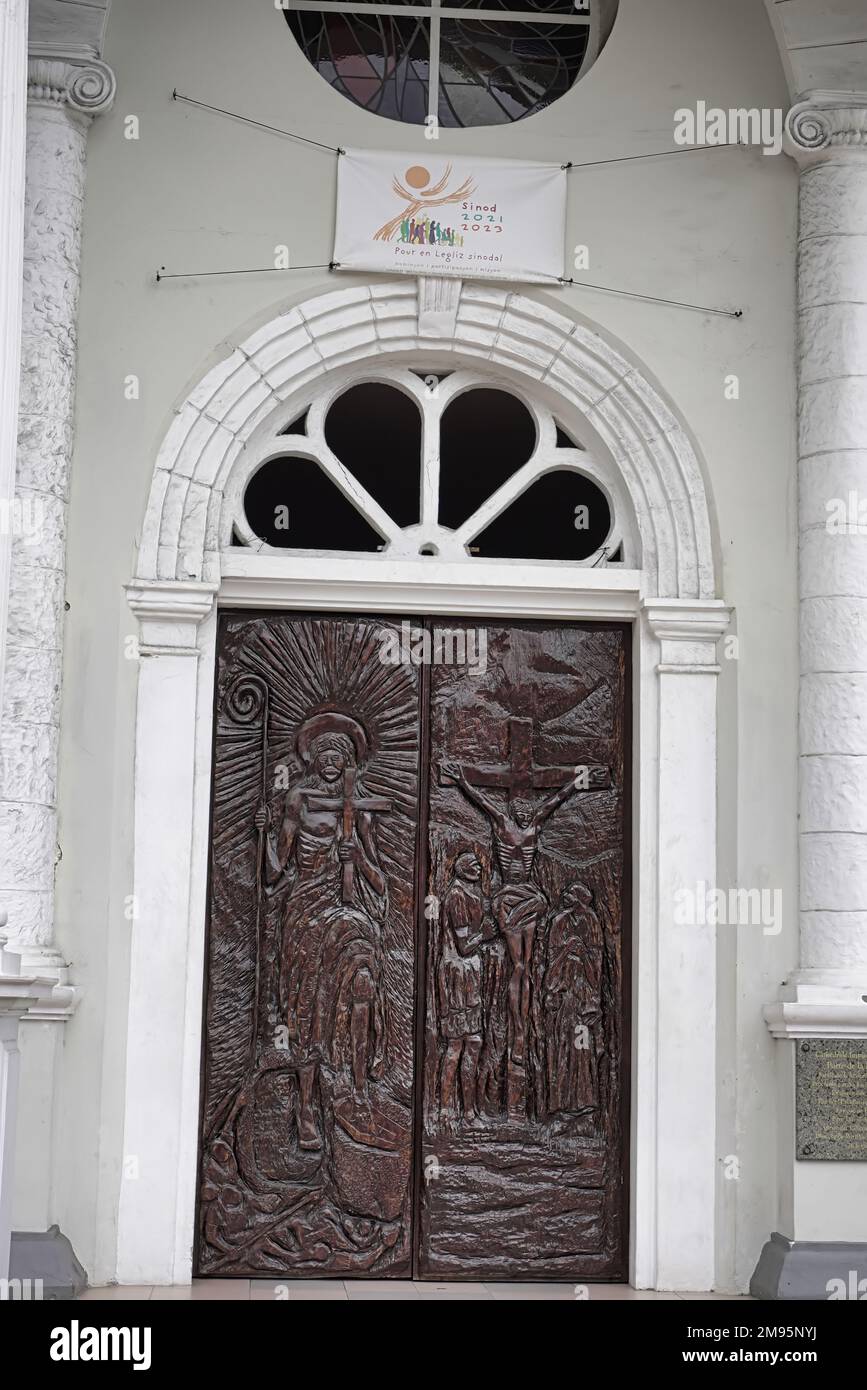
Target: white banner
(499,219)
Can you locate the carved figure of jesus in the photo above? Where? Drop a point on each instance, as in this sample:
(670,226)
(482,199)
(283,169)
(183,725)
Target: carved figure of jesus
(519,905)
(324,855)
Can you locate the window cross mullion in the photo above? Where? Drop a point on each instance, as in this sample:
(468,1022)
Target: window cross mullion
(431,10)
(434,69)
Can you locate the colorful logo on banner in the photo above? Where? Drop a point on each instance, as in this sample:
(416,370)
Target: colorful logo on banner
(422,196)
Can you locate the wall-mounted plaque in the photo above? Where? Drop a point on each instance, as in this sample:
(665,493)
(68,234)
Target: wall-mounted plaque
(831,1099)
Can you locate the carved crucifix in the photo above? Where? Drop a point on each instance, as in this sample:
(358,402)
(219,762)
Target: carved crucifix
(519,904)
(521,774)
(349,806)
(516,826)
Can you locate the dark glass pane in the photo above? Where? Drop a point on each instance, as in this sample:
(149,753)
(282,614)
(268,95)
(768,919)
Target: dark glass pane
(380,62)
(298,426)
(361,3)
(375,431)
(292,504)
(492,73)
(542,8)
(539,7)
(485,437)
(562,516)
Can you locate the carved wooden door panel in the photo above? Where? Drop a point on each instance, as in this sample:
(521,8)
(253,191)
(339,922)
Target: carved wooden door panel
(308,1075)
(523,1124)
(414,1045)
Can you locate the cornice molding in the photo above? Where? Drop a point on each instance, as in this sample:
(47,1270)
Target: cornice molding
(430,586)
(677,621)
(171,602)
(71,28)
(822,125)
(23,994)
(828,1003)
(688,635)
(170,613)
(787,1022)
(87,87)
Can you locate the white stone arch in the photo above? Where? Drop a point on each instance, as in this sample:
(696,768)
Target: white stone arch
(506,332)
(667,593)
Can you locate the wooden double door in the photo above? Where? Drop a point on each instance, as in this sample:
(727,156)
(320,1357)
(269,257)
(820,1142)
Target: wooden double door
(415,1052)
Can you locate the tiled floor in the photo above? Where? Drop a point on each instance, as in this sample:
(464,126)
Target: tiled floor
(350,1290)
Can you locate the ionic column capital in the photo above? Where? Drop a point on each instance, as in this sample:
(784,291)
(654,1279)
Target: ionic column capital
(87,87)
(826,125)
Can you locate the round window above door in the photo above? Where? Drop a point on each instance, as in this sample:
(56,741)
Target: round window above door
(452,63)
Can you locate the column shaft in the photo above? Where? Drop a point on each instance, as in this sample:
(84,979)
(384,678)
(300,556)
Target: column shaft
(822,1222)
(62,99)
(13,119)
(830,142)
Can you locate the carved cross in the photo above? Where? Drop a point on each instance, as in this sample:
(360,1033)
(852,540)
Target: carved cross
(349,805)
(521,774)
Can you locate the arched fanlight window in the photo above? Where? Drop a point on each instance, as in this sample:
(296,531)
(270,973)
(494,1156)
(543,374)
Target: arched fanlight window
(419,463)
(451,62)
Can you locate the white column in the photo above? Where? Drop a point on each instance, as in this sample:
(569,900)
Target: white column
(827,135)
(685,964)
(13,119)
(18,994)
(822,1210)
(172,784)
(63,98)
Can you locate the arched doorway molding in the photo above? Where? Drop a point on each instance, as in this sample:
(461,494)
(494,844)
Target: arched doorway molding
(515,338)
(187,567)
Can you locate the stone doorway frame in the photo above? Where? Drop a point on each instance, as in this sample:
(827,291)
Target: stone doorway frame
(186,571)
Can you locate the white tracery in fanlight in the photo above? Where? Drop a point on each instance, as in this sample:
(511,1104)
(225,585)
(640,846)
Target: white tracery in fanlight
(433,396)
